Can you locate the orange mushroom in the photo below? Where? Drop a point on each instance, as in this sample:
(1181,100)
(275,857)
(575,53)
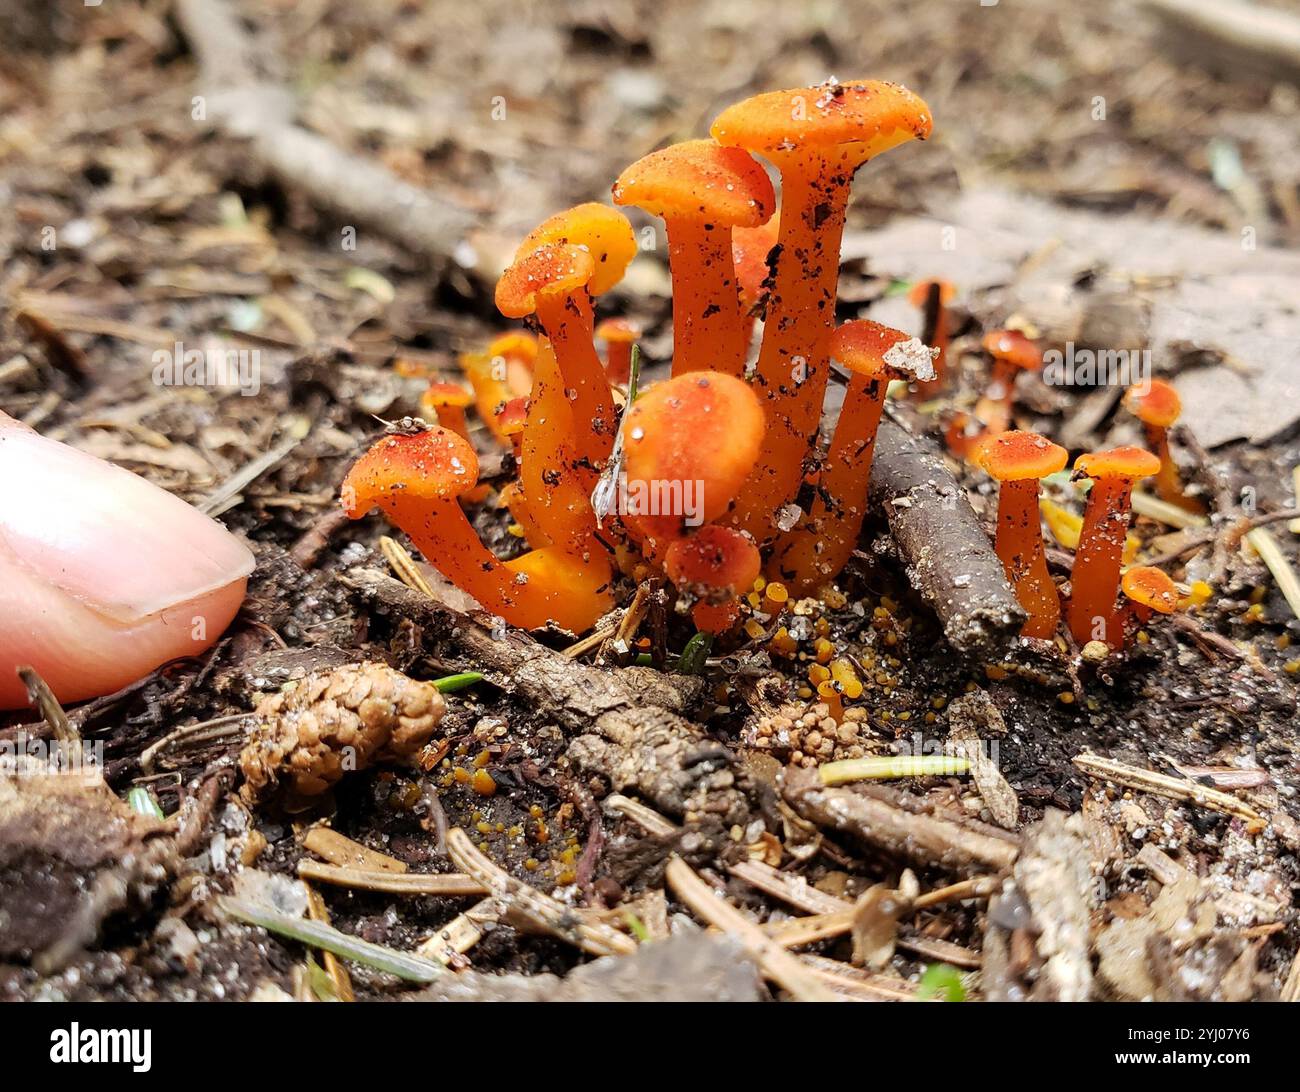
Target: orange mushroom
(510,420)
(502,372)
(689,443)
(566,260)
(750,250)
(1018,460)
(417,478)
(619,335)
(702,191)
(933,298)
(1012,353)
(715,564)
(447,402)
(820,545)
(817,137)
(1094,581)
(1148,589)
(1157,405)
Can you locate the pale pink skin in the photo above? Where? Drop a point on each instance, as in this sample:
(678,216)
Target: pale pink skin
(103,576)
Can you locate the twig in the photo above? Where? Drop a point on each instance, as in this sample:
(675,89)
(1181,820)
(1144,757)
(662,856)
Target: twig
(395,883)
(792,889)
(227,494)
(538,909)
(774,961)
(460,934)
(977,887)
(403,564)
(43,700)
(341,850)
(1271,554)
(338,973)
(205,731)
(647,818)
(1162,785)
(854,982)
(312,543)
(888,767)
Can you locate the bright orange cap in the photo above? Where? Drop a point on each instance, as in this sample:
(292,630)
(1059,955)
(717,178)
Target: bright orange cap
(1013,347)
(861,346)
(700,180)
(717,558)
(514,345)
(1150,587)
(447,394)
(434,464)
(1155,403)
(511,416)
(552,267)
(919,294)
(618,330)
(860,119)
(598,229)
(1119,462)
(1017,456)
(700,430)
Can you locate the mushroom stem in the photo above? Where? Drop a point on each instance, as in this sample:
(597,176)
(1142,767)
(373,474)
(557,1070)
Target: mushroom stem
(1094,580)
(708,331)
(820,546)
(792,362)
(1168,481)
(1019,545)
(567,323)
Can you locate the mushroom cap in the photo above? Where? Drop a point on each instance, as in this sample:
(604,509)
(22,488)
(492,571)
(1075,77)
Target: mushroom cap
(715,557)
(750,248)
(861,346)
(512,416)
(860,119)
(599,229)
(1119,462)
(514,345)
(1154,403)
(620,330)
(433,464)
(700,427)
(446,394)
(919,293)
(549,267)
(699,180)
(1013,347)
(1018,456)
(1148,586)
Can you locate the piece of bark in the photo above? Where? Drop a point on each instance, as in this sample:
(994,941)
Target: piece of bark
(1036,937)
(973,719)
(628,723)
(887,819)
(948,554)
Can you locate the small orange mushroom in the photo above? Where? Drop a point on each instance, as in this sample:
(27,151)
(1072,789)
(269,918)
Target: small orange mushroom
(933,298)
(447,402)
(417,478)
(569,258)
(1148,589)
(820,545)
(817,137)
(502,372)
(1094,581)
(619,335)
(1012,353)
(702,191)
(510,420)
(689,442)
(1157,405)
(1018,460)
(715,564)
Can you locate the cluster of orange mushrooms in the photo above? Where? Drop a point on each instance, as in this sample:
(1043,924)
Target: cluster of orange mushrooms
(706,466)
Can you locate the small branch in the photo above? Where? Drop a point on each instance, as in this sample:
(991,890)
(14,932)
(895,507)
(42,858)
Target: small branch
(1174,788)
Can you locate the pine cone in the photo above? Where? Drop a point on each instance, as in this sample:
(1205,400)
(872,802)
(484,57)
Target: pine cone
(308,736)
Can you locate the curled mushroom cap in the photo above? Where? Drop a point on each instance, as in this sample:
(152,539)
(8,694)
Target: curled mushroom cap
(511,417)
(428,465)
(713,562)
(1013,347)
(698,432)
(863,118)
(699,179)
(514,345)
(440,393)
(1150,587)
(603,232)
(1128,463)
(1155,403)
(861,346)
(1017,456)
(619,335)
(618,331)
(554,269)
